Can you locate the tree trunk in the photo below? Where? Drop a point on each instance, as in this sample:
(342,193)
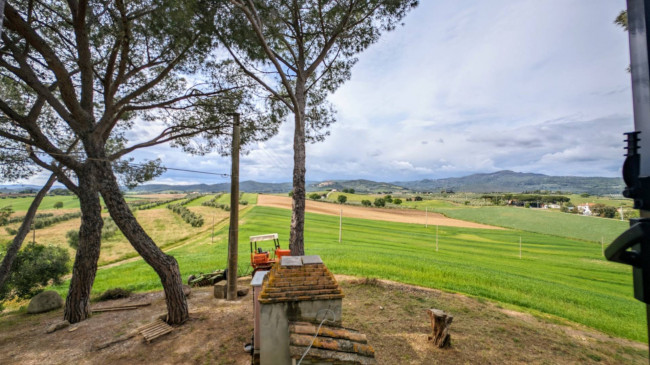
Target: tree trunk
(13,249)
(440,322)
(297,235)
(165,266)
(77,303)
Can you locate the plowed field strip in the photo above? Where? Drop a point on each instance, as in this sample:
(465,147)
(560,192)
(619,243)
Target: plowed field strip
(390,215)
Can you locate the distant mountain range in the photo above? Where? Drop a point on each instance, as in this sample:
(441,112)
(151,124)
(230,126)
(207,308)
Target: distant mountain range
(510,181)
(501,181)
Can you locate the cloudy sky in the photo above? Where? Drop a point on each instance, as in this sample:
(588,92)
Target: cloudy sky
(466,87)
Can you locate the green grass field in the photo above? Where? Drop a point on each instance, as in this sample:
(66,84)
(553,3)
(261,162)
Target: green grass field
(564,278)
(542,221)
(69,202)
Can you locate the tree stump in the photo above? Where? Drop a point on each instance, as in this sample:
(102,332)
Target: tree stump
(440,322)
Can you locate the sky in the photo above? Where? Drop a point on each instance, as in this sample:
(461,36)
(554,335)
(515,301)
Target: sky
(464,87)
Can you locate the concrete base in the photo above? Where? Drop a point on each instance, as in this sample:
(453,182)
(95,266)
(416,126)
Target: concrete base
(274,325)
(220,291)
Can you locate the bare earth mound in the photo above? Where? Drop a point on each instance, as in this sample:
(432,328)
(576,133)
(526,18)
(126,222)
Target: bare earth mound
(390,215)
(392,315)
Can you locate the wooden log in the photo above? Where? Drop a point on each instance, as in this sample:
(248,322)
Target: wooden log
(440,322)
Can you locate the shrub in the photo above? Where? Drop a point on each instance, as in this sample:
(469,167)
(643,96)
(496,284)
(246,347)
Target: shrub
(5,212)
(366,203)
(73,238)
(291,193)
(397,201)
(418,198)
(314,196)
(11,231)
(243,202)
(33,268)
(342,199)
(58,205)
(380,202)
(115,293)
(388,199)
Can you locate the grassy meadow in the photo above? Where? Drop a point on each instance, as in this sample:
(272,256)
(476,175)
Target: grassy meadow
(563,278)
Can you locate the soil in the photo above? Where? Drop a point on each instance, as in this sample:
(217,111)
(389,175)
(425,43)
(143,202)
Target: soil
(392,315)
(391,215)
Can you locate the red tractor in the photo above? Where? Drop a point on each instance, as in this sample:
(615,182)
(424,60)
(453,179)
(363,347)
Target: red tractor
(260,259)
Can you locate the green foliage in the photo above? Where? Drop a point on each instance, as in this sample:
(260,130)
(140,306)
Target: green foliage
(194,219)
(388,199)
(73,238)
(33,268)
(366,203)
(115,293)
(58,205)
(397,201)
(417,198)
(149,205)
(11,231)
(5,212)
(342,199)
(604,211)
(379,202)
(314,196)
(585,195)
(291,193)
(51,220)
(348,190)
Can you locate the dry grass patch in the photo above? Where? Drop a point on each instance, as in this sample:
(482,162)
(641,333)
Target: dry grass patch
(390,314)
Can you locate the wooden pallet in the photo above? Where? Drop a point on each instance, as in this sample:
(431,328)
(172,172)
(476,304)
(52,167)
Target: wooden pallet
(154,330)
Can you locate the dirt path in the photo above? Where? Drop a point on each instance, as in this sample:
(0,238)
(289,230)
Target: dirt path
(391,314)
(390,215)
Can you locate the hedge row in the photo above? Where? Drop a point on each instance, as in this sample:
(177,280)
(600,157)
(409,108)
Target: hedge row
(22,218)
(196,220)
(149,205)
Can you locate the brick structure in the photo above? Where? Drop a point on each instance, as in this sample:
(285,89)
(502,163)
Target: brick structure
(297,294)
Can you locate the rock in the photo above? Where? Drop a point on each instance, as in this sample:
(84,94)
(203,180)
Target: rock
(45,302)
(57,326)
(242,292)
(220,290)
(187,291)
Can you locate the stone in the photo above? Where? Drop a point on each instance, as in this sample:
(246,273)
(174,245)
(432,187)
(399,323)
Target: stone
(57,326)
(45,302)
(220,290)
(187,290)
(242,292)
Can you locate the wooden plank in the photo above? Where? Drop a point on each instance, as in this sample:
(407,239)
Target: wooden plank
(154,330)
(264,237)
(120,307)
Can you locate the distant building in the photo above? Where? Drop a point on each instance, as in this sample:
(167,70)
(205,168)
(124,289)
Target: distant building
(585,208)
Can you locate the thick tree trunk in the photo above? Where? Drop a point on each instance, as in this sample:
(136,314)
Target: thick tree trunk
(77,303)
(165,266)
(297,235)
(13,249)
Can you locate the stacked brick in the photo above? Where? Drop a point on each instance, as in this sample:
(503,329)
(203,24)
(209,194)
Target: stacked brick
(334,345)
(299,283)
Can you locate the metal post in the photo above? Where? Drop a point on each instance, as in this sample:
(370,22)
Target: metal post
(340,224)
(233,231)
(436,238)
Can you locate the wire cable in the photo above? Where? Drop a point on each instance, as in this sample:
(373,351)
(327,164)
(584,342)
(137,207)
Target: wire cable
(318,330)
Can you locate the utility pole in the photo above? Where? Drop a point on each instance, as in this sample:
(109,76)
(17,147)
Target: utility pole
(233,231)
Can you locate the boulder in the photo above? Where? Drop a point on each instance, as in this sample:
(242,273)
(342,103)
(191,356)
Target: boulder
(45,302)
